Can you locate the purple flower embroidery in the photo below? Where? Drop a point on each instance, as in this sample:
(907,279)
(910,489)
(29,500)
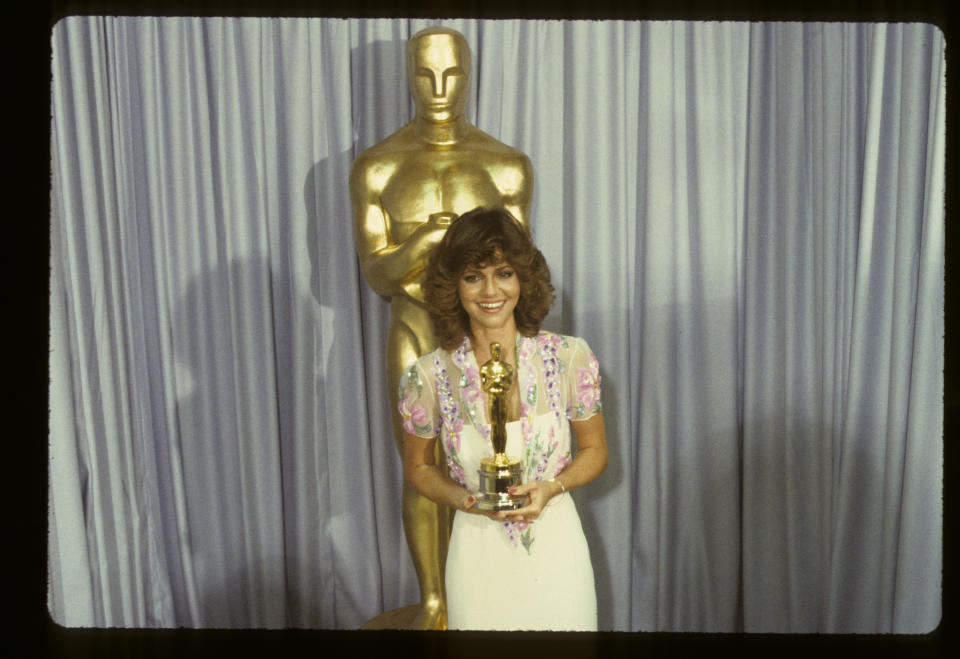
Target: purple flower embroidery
(548,343)
(456,471)
(452,422)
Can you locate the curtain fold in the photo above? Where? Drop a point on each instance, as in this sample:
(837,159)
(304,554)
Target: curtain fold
(745,221)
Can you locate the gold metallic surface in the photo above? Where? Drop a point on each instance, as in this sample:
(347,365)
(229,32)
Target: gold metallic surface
(495,379)
(405,191)
(401,618)
(499,472)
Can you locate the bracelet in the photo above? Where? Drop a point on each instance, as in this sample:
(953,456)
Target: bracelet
(558,482)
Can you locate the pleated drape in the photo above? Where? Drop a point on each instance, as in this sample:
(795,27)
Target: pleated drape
(745,221)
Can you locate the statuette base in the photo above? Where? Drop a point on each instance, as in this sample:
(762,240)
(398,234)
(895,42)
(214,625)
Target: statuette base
(497,475)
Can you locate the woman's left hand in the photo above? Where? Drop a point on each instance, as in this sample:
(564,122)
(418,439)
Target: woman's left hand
(540,492)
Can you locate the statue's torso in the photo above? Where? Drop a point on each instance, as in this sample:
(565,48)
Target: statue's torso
(412,181)
(427,181)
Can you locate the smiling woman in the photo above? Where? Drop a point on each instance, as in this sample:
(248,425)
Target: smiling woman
(487,283)
(486,242)
(489,295)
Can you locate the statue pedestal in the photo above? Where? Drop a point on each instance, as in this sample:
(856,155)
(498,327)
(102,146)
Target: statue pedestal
(401,618)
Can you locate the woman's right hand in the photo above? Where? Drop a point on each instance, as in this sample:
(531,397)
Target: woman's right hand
(469,505)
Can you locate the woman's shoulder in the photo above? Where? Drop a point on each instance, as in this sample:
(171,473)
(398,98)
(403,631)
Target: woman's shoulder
(429,360)
(426,359)
(565,347)
(559,341)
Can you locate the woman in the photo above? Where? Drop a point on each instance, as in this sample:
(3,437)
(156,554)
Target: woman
(527,568)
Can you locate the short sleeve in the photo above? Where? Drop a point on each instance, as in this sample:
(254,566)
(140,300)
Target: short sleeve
(582,384)
(417,403)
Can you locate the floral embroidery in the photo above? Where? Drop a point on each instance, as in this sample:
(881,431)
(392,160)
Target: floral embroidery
(471,384)
(415,419)
(511,530)
(470,387)
(546,446)
(414,416)
(452,422)
(519,533)
(588,390)
(524,529)
(528,382)
(552,365)
(538,453)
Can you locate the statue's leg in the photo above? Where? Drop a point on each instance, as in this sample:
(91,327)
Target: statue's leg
(426,524)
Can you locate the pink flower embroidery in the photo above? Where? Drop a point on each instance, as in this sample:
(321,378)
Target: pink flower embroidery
(453,429)
(414,416)
(587,398)
(584,379)
(456,471)
(588,386)
(526,413)
(472,392)
(593,364)
(418,415)
(527,349)
(549,339)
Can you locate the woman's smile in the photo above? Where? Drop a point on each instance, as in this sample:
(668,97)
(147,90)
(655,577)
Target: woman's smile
(489,294)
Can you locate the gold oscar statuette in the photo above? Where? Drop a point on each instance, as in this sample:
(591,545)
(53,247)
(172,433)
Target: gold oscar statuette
(499,472)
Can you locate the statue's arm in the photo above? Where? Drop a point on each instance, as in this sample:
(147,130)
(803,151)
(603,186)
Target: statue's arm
(386,264)
(516,184)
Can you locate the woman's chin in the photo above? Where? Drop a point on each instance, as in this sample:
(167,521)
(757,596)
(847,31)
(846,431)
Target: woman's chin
(493,324)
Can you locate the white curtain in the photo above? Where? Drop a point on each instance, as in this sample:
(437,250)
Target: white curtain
(745,221)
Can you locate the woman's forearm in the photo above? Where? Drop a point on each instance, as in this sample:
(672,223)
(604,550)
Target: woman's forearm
(591,457)
(588,464)
(429,481)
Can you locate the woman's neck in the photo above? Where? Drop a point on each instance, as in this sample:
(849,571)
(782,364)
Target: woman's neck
(482,337)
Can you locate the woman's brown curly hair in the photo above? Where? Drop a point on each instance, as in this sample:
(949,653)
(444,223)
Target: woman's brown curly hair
(478,239)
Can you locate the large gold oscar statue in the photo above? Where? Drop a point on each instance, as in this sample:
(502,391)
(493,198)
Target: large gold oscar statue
(405,191)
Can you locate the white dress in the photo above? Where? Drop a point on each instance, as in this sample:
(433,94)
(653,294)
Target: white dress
(512,575)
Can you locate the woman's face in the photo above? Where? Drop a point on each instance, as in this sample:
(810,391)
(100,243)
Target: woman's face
(489,294)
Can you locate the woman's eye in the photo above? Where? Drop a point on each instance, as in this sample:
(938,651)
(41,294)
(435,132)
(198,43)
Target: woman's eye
(470,279)
(506,274)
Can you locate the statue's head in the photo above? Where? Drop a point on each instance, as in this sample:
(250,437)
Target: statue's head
(438,70)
